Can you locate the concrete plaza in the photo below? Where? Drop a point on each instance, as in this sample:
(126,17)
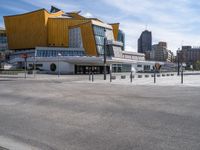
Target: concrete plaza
(72,113)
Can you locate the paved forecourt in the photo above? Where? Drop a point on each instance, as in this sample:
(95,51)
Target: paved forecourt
(66,114)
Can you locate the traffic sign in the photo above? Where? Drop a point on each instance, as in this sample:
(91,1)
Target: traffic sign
(157,66)
(25,55)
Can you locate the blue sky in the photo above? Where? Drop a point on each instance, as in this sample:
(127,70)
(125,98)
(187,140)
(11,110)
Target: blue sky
(174,21)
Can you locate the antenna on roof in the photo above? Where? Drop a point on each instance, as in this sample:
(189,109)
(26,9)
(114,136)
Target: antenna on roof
(54,9)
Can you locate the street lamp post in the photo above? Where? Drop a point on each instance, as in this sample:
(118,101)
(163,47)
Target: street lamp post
(178,57)
(59,54)
(104,54)
(181,68)
(25,67)
(182,74)
(34,67)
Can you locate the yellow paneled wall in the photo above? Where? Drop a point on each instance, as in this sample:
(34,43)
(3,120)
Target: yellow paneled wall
(28,30)
(115,30)
(22,30)
(88,38)
(58,31)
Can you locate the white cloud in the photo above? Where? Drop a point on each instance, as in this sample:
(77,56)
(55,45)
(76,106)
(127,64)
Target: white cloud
(88,15)
(57,3)
(172,21)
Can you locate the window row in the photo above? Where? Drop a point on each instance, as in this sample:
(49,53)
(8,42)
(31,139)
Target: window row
(3,40)
(51,53)
(75,39)
(99,40)
(99,30)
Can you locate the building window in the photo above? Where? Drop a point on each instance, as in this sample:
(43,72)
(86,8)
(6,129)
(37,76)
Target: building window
(53,67)
(75,39)
(54,53)
(99,33)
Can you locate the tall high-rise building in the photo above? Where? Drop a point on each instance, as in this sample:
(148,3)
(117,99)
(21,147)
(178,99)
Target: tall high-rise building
(161,53)
(145,42)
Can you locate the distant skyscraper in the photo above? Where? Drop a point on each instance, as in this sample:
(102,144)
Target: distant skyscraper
(161,53)
(145,42)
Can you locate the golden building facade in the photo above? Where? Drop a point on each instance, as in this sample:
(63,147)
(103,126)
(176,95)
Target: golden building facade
(51,29)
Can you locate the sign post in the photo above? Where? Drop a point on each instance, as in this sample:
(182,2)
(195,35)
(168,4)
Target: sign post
(156,68)
(104,58)
(25,56)
(154,74)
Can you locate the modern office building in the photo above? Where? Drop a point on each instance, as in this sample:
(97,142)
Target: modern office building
(190,55)
(145,42)
(74,40)
(161,53)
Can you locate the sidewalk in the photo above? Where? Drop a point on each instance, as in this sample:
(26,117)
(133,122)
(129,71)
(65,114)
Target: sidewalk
(192,80)
(189,80)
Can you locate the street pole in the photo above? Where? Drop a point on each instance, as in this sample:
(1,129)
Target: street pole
(34,65)
(105,40)
(182,75)
(181,69)
(154,75)
(92,74)
(59,54)
(178,62)
(110,72)
(25,66)
(89,69)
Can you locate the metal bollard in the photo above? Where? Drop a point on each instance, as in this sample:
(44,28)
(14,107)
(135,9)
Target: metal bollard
(131,77)
(111,73)
(182,77)
(92,76)
(89,76)
(154,76)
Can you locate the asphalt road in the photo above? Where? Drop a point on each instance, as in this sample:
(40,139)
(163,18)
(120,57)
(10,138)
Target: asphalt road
(56,115)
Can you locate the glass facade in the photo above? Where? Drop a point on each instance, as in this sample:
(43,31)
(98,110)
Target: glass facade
(54,53)
(121,38)
(75,39)
(99,33)
(109,35)
(121,68)
(3,42)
